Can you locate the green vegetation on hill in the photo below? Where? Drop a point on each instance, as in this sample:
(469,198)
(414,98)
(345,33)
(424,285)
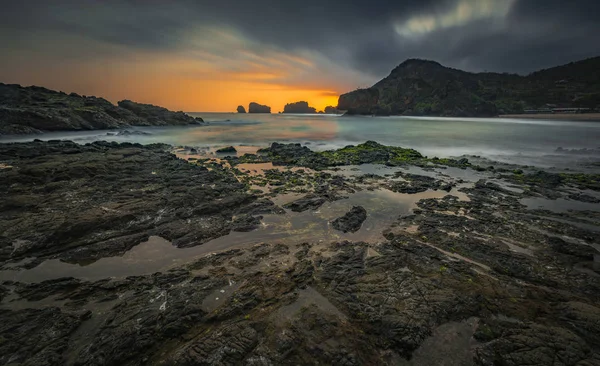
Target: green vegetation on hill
(420,87)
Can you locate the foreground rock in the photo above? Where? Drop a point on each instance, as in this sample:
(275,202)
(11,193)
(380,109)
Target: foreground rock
(475,280)
(35,109)
(258,108)
(107,198)
(351,221)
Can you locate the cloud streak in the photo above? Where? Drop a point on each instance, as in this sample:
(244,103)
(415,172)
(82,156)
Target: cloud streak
(320,48)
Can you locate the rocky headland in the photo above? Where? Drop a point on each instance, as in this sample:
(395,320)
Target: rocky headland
(426,88)
(258,108)
(25,110)
(292,256)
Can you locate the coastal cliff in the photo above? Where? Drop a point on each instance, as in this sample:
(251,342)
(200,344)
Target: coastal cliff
(426,88)
(36,109)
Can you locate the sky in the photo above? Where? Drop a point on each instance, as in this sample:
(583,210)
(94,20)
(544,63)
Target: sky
(213,55)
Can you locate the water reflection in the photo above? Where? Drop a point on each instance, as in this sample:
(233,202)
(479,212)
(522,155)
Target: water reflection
(516,141)
(157,254)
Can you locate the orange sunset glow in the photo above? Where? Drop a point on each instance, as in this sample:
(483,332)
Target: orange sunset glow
(215,72)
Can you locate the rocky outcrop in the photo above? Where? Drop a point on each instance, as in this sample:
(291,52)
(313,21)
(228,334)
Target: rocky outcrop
(132,191)
(258,108)
(298,107)
(159,116)
(331,110)
(432,279)
(360,101)
(226,150)
(421,87)
(36,109)
(351,221)
(241,109)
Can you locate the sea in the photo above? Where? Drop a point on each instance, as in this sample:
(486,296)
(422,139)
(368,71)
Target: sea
(542,143)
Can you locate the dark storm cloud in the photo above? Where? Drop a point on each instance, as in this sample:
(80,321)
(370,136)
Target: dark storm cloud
(369,36)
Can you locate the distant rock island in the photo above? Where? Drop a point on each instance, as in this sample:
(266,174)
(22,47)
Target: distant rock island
(36,109)
(258,108)
(298,107)
(241,109)
(426,88)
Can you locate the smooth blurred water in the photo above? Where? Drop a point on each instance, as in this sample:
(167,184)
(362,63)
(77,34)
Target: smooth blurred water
(527,142)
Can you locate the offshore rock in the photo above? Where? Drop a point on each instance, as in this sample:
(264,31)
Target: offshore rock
(298,107)
(258,108)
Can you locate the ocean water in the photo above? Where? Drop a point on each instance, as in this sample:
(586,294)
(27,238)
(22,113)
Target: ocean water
(519,141)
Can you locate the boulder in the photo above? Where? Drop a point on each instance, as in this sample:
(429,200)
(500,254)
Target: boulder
(227,150)
(351,221)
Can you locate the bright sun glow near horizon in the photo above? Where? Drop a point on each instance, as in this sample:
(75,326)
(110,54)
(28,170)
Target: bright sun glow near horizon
(217,70)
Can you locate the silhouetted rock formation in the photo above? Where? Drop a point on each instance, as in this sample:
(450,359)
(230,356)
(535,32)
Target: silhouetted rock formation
(35,109)
(258,108)
(421,87)
(241,109)
(298,107)
(331,110)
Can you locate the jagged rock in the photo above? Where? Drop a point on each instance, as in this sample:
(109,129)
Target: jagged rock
(123,191)
(351,221)
(245,223)
(35,336)
(310,202)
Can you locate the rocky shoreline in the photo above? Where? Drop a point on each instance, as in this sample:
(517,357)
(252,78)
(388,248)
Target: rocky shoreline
(34,109)
(309,259)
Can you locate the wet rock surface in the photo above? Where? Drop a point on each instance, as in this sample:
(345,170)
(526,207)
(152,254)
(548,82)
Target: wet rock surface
(351,221)
(84,202)
(467,277)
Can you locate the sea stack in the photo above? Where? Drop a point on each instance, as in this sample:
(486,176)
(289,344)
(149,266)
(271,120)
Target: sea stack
(241,109)
(258,108)
(298,107)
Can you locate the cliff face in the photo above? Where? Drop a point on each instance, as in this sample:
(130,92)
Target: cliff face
(298,107)
(258,108)
(36,109)
(360,101)
(420,87)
